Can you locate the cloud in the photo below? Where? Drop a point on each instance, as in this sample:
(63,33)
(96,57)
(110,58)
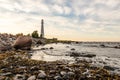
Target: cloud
(66,19)
(57,9)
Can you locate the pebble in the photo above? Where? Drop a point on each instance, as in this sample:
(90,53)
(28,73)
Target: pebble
(63,73)
(52,71)
(71,73)
(32,77)
(42,75)
(58,78)
(7,78)
(6,74)
(19,77)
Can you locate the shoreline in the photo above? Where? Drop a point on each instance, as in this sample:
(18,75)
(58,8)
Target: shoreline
(15,64)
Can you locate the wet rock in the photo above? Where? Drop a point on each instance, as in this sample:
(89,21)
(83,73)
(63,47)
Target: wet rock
(77,54)
(19,77)
(42,75)
(102,45)
(67,46)
(23,42)
(71,73)
(109,68)
(117,47)
(7,78)
(66,77)
(73,49)
(44,48)
(89,55)
(52,71)
(67,69)
(51,48)
(32,77)
(98,76)
(63,73)
(39,42)
(58,78)
(77,42)
(74,54)
(6,74)
(86,73)
(34,68)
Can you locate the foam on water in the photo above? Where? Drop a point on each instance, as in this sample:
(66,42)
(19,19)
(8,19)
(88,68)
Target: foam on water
(104,56)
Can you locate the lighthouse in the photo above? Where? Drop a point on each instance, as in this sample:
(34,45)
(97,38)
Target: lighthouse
(42,29)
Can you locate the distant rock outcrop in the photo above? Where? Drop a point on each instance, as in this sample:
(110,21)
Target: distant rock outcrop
(81,54)
(23,42)
(6,40)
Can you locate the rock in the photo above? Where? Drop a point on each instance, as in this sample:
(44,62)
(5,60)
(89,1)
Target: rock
(71,73)
(42,75)
(2,77)
(74,54)
(73,49)
(7,78)
(67,46)
(19,77)
(89,55)
(6,74)
(23,42)
(86,72)
(77,42)
(67,68)
(78,54)
(102,45)
(39,42)
(52,71)
(58,78)
(109,68)
(117,47)
(63,73)
(51,48)
(44,48)
(32,77)
(66,77)
(5,48)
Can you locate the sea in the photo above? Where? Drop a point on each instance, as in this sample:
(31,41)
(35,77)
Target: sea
(106,53)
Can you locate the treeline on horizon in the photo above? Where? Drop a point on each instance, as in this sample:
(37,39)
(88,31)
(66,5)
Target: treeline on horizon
(35,34)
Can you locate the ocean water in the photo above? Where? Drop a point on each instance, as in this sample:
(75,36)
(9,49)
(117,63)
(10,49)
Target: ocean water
(105,56)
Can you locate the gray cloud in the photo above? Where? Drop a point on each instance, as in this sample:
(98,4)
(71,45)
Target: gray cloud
(78,16)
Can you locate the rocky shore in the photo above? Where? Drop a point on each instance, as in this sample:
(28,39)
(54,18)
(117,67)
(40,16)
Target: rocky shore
(16,65)
(8,41)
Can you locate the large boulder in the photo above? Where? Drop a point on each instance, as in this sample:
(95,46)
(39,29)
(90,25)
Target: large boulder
(23,42)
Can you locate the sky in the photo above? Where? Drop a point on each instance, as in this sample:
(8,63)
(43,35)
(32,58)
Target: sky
(79,20)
